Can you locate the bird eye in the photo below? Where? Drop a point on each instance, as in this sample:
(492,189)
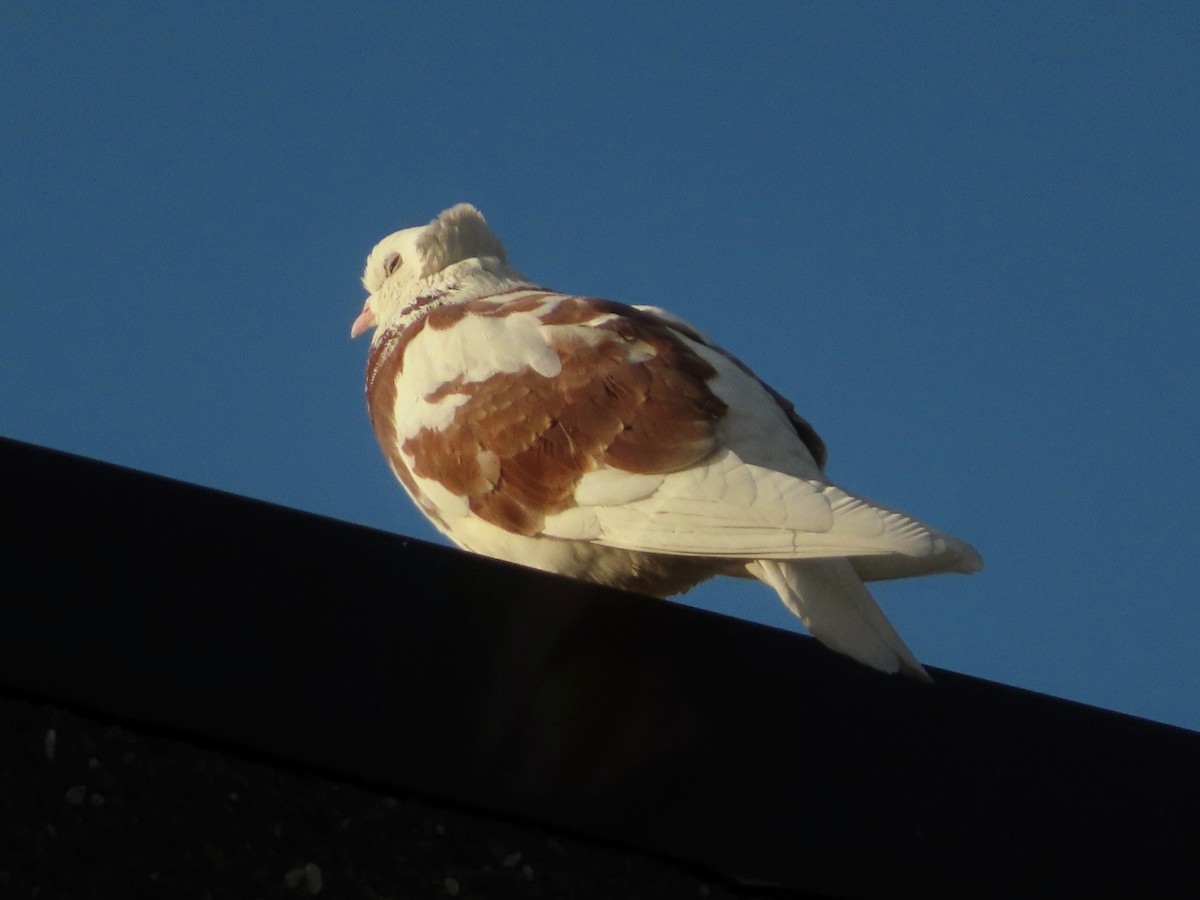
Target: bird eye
(391,263)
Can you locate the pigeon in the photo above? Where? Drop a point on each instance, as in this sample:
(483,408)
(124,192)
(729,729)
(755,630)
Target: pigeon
(616,444)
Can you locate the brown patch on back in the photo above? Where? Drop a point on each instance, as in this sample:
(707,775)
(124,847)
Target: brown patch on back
(578,310)
(444,317)
(655,414)
(490,307)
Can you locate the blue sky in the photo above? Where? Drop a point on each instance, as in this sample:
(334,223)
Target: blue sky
(964,239)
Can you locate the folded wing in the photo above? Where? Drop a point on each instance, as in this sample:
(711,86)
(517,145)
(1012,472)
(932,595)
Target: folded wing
(651,439)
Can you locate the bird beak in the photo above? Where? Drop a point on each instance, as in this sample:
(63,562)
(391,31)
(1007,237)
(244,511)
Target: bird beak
(365,320)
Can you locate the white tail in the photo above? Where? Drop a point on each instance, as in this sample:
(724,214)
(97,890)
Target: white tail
(839,611)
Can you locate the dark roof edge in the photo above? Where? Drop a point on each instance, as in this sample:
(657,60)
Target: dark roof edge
(744,750)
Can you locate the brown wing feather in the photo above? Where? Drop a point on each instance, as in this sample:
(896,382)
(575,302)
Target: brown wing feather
(615,402)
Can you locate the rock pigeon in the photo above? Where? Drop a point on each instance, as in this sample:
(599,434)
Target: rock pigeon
(616,444)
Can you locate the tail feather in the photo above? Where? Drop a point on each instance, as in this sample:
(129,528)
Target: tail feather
(839,611)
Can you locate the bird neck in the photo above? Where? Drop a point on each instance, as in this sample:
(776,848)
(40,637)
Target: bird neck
(459,283)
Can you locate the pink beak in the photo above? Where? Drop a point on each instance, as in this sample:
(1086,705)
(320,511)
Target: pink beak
(365,320)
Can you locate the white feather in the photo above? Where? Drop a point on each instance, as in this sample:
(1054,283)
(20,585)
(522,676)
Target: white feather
(837,609)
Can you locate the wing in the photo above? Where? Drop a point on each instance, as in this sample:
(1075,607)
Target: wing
(499,407)
(762,494)
(588,420)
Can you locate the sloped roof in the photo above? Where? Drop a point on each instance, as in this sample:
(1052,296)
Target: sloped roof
(744,751)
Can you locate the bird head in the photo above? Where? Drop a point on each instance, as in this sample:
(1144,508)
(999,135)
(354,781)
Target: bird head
(405,262)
